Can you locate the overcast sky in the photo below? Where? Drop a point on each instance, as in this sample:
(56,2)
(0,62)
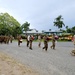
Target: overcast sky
(40,13)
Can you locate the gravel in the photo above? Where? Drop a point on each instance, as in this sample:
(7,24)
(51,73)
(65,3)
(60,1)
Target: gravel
(50,62)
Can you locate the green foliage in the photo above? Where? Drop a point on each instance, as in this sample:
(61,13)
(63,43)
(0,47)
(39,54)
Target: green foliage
(25,26)
(58,22)
(9,25)
(68,30)
(73,30)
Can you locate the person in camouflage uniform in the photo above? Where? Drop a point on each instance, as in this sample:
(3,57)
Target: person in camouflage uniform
(39,40)
(11,38)
(19,40)
(53,42)
(30,42)
(4,39)
(45,43)
(73,51)
(27,40)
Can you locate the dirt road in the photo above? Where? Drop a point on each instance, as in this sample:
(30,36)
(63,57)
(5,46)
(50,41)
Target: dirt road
(52,62)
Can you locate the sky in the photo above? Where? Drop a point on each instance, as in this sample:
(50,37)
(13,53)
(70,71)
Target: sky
(40,13)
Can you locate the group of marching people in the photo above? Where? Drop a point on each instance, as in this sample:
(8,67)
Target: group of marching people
(46,39)
(30,38)
(6,39)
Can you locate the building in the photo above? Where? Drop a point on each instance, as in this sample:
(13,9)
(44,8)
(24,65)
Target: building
(32,32)
(56,32)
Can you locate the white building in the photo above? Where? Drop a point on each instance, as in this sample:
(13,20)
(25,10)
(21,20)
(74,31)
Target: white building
(32,31)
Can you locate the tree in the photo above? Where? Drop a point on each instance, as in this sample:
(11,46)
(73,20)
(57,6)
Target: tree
(69,30)
(17,31)
(73,30)
(25,26)
(8,25)
(66,27)
(58,22)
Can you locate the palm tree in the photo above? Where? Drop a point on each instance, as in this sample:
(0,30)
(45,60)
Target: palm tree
(58,22)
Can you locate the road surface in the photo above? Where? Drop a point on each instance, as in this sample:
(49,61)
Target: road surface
(50,62)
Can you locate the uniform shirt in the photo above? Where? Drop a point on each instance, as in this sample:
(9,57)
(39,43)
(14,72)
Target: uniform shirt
(39,37)
(28,38)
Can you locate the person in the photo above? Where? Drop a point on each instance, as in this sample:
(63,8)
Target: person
(19,40)
(74,41)
(11,38)
(39,40)
(30,42)
(53,42)
(45,43)
(73,51)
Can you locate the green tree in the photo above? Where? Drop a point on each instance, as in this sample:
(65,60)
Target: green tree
(69,30)
(59,22)
(66,27)
(25,26)
(73,30)
(17,31)
(8,25)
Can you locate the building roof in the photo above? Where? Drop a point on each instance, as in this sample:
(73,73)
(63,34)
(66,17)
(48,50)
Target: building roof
(56,31)
(33,31)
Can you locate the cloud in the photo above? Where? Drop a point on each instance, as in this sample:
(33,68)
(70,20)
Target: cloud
(40,13)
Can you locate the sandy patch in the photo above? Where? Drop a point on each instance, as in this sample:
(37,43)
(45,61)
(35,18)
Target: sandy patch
(9,66)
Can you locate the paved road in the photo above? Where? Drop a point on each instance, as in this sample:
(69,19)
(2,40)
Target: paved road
(52,62)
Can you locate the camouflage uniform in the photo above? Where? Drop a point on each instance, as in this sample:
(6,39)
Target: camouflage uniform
(45,43)
(4,39)
(11,38)
(73,51)
(53,42)
(19,38)
(30,42)
(39,39)
(27,40)
(7,39)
